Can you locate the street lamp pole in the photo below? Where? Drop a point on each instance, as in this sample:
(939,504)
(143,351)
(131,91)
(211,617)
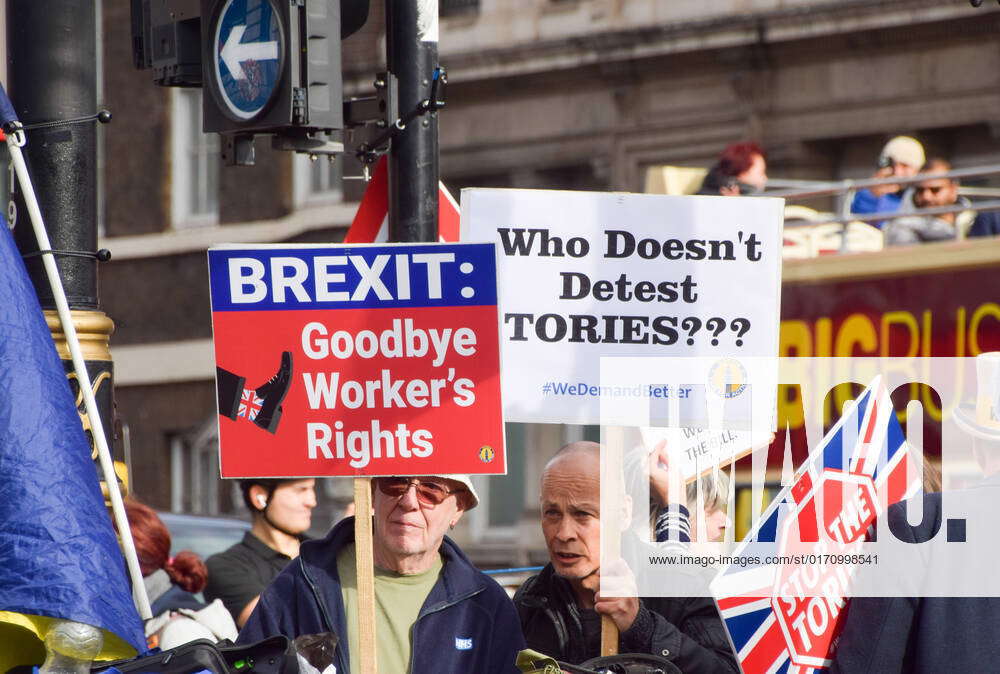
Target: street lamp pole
(52,78)
(412,54)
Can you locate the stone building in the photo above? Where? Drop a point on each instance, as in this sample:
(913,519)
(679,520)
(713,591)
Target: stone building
(566,94)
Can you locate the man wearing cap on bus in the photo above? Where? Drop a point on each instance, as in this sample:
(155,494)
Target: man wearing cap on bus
(902,156)
(434,611)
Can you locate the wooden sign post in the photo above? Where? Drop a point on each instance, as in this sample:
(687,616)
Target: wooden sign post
(612,493)
(363,545)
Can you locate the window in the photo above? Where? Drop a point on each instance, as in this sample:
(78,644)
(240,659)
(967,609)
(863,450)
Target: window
(195,161)
(195,486)
(318,182)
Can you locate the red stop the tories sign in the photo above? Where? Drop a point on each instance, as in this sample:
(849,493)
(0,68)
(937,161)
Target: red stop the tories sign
(809,599)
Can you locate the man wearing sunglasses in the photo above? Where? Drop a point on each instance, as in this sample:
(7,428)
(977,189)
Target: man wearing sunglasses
(937,190)
(435,612)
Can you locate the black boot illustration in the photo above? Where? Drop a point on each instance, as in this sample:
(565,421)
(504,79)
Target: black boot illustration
(229,388)
(272,393)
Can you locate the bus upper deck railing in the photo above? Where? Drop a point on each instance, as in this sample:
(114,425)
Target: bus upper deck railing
(803,189)
(988,199)
(990,205)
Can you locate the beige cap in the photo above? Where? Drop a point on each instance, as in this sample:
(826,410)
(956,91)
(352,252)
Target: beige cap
(904,150)
(467,481)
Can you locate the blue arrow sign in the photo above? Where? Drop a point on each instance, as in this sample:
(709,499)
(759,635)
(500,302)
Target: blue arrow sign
(248,47)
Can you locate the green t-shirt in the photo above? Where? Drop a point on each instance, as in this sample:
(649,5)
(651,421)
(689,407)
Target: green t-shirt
(398,600)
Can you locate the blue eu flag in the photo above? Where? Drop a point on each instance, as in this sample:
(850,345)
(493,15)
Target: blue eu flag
(59,556)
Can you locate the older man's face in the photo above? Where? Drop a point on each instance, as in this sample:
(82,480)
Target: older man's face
(571,515)
(410,525)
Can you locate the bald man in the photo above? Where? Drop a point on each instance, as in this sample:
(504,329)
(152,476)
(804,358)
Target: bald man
(560,608)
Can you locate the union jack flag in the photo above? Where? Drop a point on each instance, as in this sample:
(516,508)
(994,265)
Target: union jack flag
(250,404)
(866,447)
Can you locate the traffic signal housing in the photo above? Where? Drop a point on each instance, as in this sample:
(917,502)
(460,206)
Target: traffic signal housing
(273,66)
(166,37)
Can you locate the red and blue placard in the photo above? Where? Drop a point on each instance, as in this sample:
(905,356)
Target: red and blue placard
(786,618)
(357,360)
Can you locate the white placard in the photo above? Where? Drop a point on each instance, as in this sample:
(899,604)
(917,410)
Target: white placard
(709,411)
(591,274)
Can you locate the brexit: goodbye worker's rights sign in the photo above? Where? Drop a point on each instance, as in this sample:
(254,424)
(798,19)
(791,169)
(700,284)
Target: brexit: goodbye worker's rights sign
(357,360)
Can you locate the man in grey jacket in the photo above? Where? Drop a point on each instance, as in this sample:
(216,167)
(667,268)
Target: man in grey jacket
(912,227)
(560,608)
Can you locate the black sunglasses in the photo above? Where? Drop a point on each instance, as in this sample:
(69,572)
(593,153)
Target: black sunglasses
(429,492)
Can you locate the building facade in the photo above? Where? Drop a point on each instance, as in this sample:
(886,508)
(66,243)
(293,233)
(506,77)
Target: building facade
(562,94)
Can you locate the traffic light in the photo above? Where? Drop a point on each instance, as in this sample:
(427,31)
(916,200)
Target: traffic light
(268,65)
(166,37)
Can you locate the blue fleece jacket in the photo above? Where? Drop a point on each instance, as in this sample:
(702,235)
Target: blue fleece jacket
(467,624)
(866,202)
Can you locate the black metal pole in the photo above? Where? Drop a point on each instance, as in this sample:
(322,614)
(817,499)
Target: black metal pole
(52,75)
(412,54)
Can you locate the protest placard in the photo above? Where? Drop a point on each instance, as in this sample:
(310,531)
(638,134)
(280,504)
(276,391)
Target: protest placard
(709,411)
(699,451)
(785,596)
(357,360)
(591,274)
(731,425)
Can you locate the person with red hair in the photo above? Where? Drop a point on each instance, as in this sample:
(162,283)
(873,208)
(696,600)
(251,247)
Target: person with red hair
(740,170)
(171,584)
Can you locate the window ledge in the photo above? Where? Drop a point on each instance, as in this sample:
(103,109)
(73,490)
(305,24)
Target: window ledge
(196,222)
(179,241)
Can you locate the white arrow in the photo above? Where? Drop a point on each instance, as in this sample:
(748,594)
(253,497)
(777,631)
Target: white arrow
(235,52)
